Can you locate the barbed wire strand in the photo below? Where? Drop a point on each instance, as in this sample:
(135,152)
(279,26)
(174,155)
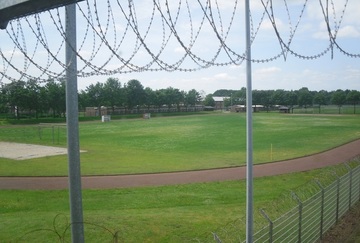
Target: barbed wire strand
(100,31)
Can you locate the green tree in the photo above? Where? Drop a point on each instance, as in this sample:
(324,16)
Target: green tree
(239,97)
(291,99)
(320,98)
(209,100)
(33,97)
(264,97)
(278,97)
(3,100)
(150,97)
(56,98)
(224,92)
(173,97)
(305,97)
(353,98)
(192,97)
(338,98)
(135,94)
(160,98)
(95,95)
(113,93)
(16,96)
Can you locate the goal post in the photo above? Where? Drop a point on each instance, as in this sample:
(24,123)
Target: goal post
(13,9)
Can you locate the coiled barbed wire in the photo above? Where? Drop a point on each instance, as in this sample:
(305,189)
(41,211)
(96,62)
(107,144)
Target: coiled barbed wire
(124,36)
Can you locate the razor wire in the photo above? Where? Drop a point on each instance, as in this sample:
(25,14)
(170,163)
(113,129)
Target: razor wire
(118,37)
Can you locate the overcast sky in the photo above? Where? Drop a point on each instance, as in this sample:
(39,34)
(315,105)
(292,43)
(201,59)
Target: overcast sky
(331,71)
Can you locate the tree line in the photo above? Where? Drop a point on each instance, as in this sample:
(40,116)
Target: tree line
(37,99)
(294,98)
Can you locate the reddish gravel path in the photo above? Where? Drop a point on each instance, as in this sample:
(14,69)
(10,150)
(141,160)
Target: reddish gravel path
(331,157)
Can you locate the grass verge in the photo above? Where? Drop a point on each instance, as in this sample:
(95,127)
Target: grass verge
(157,214)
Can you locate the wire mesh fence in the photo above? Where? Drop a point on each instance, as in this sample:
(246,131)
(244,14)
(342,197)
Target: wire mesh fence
(311,217)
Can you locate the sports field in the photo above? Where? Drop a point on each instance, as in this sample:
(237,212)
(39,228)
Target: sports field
(180,143)
(183,213)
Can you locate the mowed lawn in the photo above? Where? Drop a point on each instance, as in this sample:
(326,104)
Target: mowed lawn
(183,213)
(182,143)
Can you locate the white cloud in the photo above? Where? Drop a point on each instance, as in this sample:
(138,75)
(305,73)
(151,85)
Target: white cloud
(223,76)
(349,31)
(268,71)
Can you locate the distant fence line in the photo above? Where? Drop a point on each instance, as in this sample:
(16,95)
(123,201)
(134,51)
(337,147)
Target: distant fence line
(328,109)
(311,218)
(95,111)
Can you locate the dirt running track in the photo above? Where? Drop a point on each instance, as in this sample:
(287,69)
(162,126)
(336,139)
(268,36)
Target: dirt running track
(331,157)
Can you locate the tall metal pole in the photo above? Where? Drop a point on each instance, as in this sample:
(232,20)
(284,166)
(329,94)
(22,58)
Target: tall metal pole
(249,142)
(72,114)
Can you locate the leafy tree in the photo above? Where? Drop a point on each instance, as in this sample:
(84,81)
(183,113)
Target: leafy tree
(192,97)
(173,96)
(16,96)
(95,95)
(353,97)
(3,100)
(224,92)
(112,93)
(150,97)
(265,98)
(320,98)
(278,97)
(305,97)
(338,98)
(256,97)
(55,96)
(160,98)
(209,100)
(33,91)
(291,99)
(135,94)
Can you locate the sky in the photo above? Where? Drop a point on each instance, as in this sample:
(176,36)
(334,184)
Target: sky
(309,37)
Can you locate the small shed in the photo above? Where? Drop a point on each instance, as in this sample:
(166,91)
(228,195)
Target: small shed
(219,102)
(284,109)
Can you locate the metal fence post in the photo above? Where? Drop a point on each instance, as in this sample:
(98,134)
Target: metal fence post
(300,213)
(216,238)
(53,134)
(350,184)
(271,225)
(39,131)
(322,208)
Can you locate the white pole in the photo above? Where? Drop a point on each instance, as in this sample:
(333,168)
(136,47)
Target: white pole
(72,114)
(249,142)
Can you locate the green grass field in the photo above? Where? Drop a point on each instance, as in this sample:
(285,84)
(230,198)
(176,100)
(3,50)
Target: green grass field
(184,213)
(181,143)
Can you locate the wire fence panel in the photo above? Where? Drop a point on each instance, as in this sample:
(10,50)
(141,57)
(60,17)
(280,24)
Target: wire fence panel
(330,206)
(309,220)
